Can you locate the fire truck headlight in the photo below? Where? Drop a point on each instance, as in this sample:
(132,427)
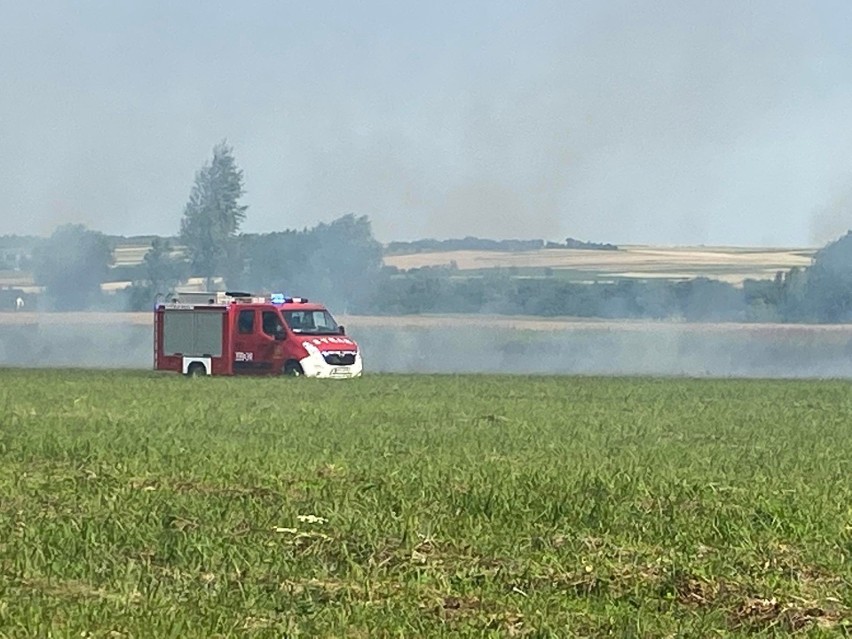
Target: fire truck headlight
(311,349)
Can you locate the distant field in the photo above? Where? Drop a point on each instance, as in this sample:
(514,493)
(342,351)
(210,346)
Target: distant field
(140,505)
(729,264)
(130,255)
(15,278)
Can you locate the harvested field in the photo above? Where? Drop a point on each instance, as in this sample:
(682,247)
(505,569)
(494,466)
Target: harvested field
(725,263)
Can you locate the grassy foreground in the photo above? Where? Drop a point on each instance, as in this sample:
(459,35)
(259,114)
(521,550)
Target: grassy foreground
(143,505)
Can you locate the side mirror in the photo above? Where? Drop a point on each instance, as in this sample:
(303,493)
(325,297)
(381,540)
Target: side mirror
(280,335)
(342,330)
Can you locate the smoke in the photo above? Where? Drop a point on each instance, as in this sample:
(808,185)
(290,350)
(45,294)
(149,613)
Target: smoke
(622,121)
(604,348)
(613,348)
(54,344)
(832,219)
(676,122)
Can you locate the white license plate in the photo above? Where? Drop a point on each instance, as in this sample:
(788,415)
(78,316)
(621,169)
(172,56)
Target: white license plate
(340,372)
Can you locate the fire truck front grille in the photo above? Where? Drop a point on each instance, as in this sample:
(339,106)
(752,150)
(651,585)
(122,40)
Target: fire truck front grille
(340,359)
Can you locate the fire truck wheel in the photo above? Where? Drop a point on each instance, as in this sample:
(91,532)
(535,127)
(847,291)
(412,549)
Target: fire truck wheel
(196,370)
(293,369)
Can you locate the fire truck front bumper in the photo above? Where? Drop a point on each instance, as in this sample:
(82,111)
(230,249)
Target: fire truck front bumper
(327,366)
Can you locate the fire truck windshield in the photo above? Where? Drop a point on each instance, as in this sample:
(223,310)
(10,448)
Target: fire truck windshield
(311,322)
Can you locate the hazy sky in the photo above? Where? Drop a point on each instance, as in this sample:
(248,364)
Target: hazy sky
(676,122)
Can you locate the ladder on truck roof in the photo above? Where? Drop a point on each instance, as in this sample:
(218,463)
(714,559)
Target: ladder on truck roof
(212,297)
(224,298)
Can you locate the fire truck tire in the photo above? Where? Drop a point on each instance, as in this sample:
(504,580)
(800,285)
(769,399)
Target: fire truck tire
(196,369)
(293,369)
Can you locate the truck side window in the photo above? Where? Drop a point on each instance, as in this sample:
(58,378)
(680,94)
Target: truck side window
(271,323)
(245,322)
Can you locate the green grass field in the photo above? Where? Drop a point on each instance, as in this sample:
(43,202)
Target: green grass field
(148,505)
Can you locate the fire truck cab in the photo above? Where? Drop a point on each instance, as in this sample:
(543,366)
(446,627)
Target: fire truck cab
(235,333)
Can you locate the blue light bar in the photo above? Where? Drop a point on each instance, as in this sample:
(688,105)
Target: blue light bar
(281,298)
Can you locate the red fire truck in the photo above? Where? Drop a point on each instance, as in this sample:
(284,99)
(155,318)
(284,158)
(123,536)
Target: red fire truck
(235,333)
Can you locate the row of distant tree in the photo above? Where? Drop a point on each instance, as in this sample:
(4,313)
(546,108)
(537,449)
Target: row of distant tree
(339,262)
